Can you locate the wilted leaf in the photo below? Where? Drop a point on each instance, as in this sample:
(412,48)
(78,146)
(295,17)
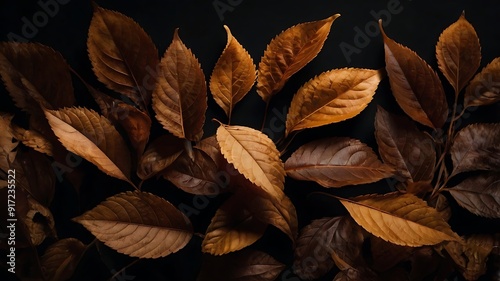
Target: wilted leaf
(332,97)
(245,265)
(180,96)
(160,154)
(476,147)
(402,145)
(93,137)
(336,162)
(233,76)
(386,255)
(402,219)
(61,259)
(480,195)
(123,56)
(458,53)
(484,88)
(8,143)
(138,224)
(254,155)
(472,256)
(289,52)
(415,85)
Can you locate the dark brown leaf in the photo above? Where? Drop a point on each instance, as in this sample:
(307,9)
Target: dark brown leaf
(160,154)
(483,89)
(386,255)
(8,143)
(61,259)
(440,203)
(472,256)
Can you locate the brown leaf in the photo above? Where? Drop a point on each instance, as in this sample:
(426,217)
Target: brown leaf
(93,137)
(356,274)
(138,224)
(472,256)
(480,195)
(180,96)
(160,154)
(245,265)
(233,75)
(402,219)
(440,203)
(402,145)
(386,255)
(33,139)
(332,97)
(336,162)
(289,52)
(61,259)
(415,85)
(348,245)
(476,147)
(123,56)
(8,143)
(483,88)
(458,53)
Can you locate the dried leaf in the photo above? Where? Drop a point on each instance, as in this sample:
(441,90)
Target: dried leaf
(480,195)
(356,274)
(402,219)
(233,75)
(483,88)
(61,259)
(386,255)
(123,56)
(336,162)
(348,244)
(289,52)
(415,85)
(160,154)
(440,203)
(402,145)
(93,137)
(472,256)
(476,147)
(33,139)
(8,143)
(180,96)
(332,97)
(138,224)
(458,53)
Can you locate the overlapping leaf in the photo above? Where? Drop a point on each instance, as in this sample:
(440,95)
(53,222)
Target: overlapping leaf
(33,139)
(61,259)
(484,88)
(386,255)
(160,153)
(8,143)
(471,256)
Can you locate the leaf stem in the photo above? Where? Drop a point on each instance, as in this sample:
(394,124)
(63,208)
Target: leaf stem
(122,270)
(265,115)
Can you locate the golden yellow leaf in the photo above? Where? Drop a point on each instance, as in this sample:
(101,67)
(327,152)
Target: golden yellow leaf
(331,97)
(483,88)
(402,219)
(289,52)
(233,75)
(138,224)
(61,259)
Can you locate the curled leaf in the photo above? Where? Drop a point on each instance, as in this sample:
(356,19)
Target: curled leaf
(61,259)
(162,152)
(484,88)
(33,139)
(471,256)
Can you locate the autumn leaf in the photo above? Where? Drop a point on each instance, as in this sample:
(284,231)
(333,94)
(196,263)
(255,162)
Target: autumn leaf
(332,97)
(289,52)
(441,204)
(336,162)
(415,85)
(402,219)
(471,257)
(33,139)
(138,224)
(8,143)
(160,154)
(386,255)
(480,195)
(483,88)
(93,137)
(61,259)
(356,274)
(233,75)
(476,147)
(180,96)
(123,56)
(458,53)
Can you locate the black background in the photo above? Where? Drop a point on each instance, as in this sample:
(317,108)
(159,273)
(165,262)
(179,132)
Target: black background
(254,23)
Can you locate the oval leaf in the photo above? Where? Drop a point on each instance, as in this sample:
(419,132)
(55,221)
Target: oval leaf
(415,85)
(332,97)
(180,96)
(160,154)
(289,52)
(484,88)
(138,224)
(61,259)
(402,219)
(336,162)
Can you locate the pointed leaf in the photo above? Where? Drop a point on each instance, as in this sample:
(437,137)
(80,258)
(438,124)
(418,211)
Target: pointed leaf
(484,88)
(180,96)
(336,162)
(233,76)
(458,53)
(415,85)
(33,139)
(61,259)
(138,224)
(332,97)
(160,154)
(402,219)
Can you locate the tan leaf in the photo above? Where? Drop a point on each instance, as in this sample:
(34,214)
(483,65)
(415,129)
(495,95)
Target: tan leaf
(402,219)
(402,145)
(458,53)
(480,195)
(138,224)
(33,139)
(180,96)
(289,52)
(160,154)
(93,137)
(332,97)
(8,143)
(254,155)
(483,88)
(123,56)
(233,75)
(61,259)
(336,162)
(415,85)
(476,147)
(386,255)
(472,256)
